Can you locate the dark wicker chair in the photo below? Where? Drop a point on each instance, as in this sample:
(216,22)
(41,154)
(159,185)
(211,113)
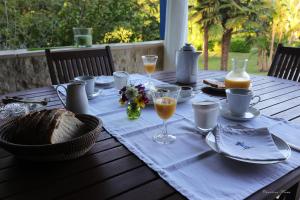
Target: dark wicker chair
(65,65)
(286,63)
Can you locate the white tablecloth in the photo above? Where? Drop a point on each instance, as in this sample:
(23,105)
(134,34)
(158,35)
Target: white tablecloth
(188,164)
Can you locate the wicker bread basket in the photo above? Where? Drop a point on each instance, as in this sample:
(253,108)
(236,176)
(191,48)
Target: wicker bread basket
(53,152)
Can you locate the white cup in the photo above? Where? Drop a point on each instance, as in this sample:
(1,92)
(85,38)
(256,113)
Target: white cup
(89,83)
(205,115)
(121,79)
(186,91)
(239,100)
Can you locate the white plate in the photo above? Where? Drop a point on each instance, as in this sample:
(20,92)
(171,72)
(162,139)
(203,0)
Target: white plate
(282,146)
(96,93)
(104,80)
(250,114)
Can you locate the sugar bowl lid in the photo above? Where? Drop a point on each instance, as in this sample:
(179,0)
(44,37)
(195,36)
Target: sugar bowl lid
(204,104)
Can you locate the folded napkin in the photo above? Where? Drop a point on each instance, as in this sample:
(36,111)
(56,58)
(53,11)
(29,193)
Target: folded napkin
(247,143)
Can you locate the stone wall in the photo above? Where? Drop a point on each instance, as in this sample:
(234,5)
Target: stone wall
(20,73)
(22,69)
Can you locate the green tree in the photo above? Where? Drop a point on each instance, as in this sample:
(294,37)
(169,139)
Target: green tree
(120,35)
(46,23)
(285,23)
(233,15)
(27,23)
(260,25)
(206,15)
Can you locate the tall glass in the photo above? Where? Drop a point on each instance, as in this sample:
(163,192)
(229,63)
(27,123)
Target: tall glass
(165,102)
(149,66)
(83,37)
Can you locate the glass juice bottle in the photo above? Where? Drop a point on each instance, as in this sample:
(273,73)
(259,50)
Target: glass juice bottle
(238,77)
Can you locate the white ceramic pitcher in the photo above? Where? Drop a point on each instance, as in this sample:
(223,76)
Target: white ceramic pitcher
(187,64)
(76,100)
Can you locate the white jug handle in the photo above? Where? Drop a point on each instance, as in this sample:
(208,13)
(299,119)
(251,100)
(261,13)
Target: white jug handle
(57,92)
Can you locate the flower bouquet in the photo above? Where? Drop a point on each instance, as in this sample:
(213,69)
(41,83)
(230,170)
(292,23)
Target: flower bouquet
(136,99)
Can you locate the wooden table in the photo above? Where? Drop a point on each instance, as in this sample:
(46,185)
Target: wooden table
(110,171)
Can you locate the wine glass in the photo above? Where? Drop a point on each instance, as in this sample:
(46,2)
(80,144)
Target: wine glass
(149,62)
(165,101)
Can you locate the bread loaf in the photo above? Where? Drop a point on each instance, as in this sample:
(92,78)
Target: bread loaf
(48,127)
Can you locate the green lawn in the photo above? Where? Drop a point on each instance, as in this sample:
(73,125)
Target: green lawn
(214,62)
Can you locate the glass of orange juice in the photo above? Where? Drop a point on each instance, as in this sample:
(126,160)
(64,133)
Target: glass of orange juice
(149,62)
(165,102)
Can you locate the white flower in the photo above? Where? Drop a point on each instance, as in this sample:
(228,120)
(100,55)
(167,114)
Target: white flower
(131,92)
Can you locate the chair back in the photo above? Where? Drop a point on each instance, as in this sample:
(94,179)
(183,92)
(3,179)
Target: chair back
(286,63)
(65,65)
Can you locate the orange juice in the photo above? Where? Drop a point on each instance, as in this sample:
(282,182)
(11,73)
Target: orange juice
(237,83)
(165,107)
(149,68)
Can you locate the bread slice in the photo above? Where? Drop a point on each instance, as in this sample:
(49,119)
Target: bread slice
(30,131)
(35,126)
(214,83)
(46,126)
(43,126)
(23,132)
(67,127)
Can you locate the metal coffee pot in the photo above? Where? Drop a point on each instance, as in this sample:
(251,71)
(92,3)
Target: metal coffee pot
(76,98)
(187,64)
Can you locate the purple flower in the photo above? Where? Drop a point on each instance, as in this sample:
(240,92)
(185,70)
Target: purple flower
(133,93)
(123,89)
(124,98)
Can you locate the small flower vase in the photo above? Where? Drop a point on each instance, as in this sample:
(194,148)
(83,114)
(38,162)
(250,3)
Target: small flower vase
(133,111)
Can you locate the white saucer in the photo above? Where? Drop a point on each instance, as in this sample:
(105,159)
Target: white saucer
(106,86)
(184,99)
(104,81)
(97,92)
(282,146)
(250,114)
